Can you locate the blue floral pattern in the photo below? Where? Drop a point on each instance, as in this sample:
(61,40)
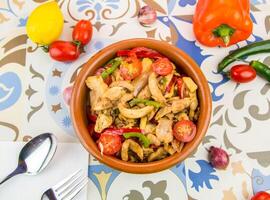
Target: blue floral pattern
(203,177)
(10,89)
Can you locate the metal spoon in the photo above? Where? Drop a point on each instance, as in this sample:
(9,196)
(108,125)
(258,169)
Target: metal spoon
(35,155)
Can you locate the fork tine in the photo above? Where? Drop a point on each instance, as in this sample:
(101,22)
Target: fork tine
(75,190)
(70,183)
(59,185)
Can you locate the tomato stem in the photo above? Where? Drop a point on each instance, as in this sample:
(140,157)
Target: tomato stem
(45,48)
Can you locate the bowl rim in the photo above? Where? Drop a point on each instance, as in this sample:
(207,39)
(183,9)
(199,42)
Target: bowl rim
(139,168)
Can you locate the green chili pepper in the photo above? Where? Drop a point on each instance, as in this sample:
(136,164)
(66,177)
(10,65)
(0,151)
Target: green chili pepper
(251,49)
(136,101)
(142,138)
(262,69)
(114,64)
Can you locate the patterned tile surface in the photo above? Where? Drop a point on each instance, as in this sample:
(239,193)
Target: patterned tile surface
(31,98)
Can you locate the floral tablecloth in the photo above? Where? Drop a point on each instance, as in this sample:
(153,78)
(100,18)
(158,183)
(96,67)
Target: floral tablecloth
(31,100)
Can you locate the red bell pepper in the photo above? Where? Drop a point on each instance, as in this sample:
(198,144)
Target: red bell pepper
(92,118)
(141,52)
(180,88)
(222,22)
(121,131)
(171,84)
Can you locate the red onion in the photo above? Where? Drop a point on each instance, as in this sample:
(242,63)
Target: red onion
(67,94)
(147,15)
(219,158)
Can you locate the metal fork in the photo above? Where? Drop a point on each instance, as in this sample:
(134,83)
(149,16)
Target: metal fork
(67,189)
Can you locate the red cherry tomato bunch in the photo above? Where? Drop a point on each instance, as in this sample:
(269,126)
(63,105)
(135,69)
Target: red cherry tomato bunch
(67,51)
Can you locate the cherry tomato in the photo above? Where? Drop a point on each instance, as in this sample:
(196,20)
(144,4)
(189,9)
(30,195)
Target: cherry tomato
(107,80)
(261,196)
(184,131)
(109,143)
(64,51)
(82,32)
(162,66)
(130,68)
(242,73)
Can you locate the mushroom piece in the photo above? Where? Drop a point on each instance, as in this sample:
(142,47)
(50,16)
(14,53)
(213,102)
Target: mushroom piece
(164,130)
(181,104)
(147,151)
(153,139)
(114,93)
(177,146)
(123,84)
(157,155)
(130,144)
(154,89)
(169,149)
(103,121)
(134,113)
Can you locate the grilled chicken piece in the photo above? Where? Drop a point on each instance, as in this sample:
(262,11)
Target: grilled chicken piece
(162,112)
(153,139)
(103,122)
(177,146)
(145,93)
(134,113)
(98,88)
(169,149)
(164,130)
(114,93)
(140,82)
(130,144)
(123,84)
(154,89)
(181,104)
(157,155)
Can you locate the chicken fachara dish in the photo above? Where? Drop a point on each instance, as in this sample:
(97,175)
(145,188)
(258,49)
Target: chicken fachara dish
(141,109)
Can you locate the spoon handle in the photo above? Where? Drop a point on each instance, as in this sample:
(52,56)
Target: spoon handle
(21,168)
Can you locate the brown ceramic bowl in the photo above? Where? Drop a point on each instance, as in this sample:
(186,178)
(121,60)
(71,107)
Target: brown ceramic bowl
(80,93)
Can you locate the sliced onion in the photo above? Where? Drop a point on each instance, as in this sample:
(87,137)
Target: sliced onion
(147,15)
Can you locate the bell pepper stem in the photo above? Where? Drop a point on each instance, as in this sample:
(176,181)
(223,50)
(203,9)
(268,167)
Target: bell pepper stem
(225,32)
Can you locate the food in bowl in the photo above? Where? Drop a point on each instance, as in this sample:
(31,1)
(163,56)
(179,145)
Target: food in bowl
(141,108)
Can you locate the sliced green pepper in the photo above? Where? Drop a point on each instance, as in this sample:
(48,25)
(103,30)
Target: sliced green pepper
(114,64)
(136,101)
(142,138)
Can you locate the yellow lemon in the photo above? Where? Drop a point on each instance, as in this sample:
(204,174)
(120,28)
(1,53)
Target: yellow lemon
(45,23)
